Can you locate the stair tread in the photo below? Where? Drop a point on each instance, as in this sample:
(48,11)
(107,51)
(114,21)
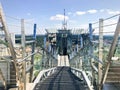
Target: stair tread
(113,77)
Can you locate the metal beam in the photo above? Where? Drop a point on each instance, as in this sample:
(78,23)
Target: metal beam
(10,44)
(7,34)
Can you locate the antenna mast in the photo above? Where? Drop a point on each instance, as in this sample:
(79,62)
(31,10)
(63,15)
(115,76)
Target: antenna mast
(64,23)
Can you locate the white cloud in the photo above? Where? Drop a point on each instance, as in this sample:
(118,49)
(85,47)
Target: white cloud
(59,17)
(92,11)
(113,12)
(80,13)
(102,10)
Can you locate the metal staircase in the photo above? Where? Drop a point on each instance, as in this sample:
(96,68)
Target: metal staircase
(12,81)
(113,75)
(113,78)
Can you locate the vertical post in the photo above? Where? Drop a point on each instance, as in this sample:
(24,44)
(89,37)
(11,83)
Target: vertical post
(100,52)
(12,36)
(81,41)
(23,51)
(91,50)
(91,32)
(34,32)
(49,48)
(77,42)
(44,41)
(80,62)
(23,37)
(33,49)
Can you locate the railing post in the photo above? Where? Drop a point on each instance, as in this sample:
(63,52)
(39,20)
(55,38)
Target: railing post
(91,52)
(91,32)
(80,62)
(23,52)
(100,52)
(33,50)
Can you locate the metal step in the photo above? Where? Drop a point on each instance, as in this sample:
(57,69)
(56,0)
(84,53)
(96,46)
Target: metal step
(13,76)
(114,69)
(113,80)
(113,74)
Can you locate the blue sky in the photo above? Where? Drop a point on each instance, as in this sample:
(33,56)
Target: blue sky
(49,13)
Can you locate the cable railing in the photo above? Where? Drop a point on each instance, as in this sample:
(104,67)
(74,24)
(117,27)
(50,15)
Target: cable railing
(16,25)
(44,74)
(108,30)
(82,75)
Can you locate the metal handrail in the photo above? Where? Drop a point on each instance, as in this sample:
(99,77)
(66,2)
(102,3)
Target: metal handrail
(44,73)
(84,76)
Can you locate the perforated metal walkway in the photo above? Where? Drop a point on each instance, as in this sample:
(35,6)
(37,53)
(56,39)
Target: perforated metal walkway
(62,79)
